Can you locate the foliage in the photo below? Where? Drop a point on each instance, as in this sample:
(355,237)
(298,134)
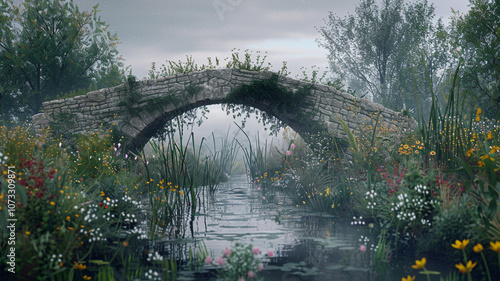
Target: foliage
(61,218)
(459,221)
(476,39)
(268,95)
(241,263)
(175,174)
(93,155)
(248,63)
(49,48)
(379,62)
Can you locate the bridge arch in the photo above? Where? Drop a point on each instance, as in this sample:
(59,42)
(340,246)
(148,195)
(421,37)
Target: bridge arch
(137,109)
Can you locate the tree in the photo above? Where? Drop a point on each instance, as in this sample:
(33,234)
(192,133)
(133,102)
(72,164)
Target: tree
(49,48)
(375,50)
(476,39)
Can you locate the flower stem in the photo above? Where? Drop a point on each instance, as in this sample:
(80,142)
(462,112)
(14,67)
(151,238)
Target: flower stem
(427,273)
(486,266)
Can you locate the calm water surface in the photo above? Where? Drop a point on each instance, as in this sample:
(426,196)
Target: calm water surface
(307,246)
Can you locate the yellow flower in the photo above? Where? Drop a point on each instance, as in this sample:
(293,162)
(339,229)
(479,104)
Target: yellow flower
(488,136)
(28,233)
(419,264)
(433,153)
(481,163)
(80,266)
(478,248)
(102,194)
(495,247)
(52,203)
(465,269)
(85,277)
(125,243)
(494,149)
(460,245)
(409,278)
(68,218)
(181,192)
(469,152)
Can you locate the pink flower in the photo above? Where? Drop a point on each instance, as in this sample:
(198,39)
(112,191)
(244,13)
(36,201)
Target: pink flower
(220,261)
(255,251)
(263,197)
(241,279)
(227,252)
(208,260)
(288,152)
(362,248)
(270,253)
(251,274)
(292,146)
(261,267)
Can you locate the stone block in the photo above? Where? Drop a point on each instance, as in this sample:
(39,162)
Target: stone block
(137,123)
(96,96)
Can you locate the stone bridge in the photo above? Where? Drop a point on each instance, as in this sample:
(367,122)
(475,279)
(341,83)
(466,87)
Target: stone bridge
(138,109)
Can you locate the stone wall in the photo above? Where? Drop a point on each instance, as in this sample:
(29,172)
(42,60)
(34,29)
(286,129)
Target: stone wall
(139,108)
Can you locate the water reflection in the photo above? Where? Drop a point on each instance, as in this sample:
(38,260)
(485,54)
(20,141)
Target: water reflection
(307,246)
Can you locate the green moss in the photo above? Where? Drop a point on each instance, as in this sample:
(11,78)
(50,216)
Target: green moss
(270,93)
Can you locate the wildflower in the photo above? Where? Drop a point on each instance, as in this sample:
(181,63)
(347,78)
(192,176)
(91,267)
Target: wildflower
(488,136)
(288,152)
(85,277)
(419,264)
(102,194)
(227,252)
(478,248)
(270,253)
(79,266)
(256,250)
(433,153)
(409,278)
(52,203)
(28,233)
(251,274)
(465,269)
(68,218)
(292,146)
(478,113)
(261,267)
(220,261)
(125,243)
(362,248)
(495,247)
(469,152)
(208,260)
(494,149)
(460,245)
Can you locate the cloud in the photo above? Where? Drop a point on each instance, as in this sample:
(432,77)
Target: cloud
(157,30)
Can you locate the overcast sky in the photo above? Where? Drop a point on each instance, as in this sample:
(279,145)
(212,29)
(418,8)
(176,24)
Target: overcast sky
(160,30)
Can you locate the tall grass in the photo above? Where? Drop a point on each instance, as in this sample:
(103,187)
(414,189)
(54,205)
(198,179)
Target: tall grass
(176,173)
